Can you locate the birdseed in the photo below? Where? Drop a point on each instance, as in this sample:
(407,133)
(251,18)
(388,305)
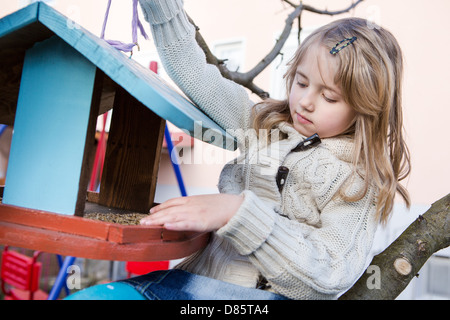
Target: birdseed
(120,218)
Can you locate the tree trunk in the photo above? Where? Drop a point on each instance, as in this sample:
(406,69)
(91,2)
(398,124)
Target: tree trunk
(391,271)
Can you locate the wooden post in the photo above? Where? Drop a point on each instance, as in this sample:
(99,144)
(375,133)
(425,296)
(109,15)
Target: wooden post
(132,155)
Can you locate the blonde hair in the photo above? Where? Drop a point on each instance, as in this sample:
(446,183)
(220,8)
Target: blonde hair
(369,74)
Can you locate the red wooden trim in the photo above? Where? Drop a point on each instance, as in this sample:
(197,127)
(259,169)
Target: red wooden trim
(129,234)
(53,221)
(86,238)
(84,247)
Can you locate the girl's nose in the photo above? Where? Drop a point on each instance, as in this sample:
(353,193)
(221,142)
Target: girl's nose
(307,101)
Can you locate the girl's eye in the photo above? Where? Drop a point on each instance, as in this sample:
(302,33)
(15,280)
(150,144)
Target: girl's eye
(328,99)
(301,85)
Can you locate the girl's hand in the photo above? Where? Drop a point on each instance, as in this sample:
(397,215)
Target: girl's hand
(202,213)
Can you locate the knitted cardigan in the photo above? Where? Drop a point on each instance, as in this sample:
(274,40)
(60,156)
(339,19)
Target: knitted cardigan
(306,241)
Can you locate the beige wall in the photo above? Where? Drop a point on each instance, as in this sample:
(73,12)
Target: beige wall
(422,31)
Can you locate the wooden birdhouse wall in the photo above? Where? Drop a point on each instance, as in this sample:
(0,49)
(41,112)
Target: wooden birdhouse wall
(53,141)
(55,118)
(132,155)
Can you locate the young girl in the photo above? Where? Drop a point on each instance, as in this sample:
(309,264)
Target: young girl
(296,216)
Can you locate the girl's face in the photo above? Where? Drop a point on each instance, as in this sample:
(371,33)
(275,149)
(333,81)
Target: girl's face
(315,101)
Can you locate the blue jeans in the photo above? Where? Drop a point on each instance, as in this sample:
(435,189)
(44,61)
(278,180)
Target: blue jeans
(172,285)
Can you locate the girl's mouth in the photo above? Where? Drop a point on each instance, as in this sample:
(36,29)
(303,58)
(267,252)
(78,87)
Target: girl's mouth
(303,120)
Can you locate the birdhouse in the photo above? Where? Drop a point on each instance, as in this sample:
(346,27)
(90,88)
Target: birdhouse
(55,79)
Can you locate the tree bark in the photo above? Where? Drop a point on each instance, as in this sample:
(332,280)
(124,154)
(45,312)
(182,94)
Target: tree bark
(402,260)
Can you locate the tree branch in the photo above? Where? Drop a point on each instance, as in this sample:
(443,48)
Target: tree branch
(247,79)
(278,45)
(403,259)
(235,76)
(332,13)
(326,12)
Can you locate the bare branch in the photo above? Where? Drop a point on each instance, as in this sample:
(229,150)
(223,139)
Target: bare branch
(326,12)
(237,77)
(332,13)
(210,58)
(246,79)
(278,45)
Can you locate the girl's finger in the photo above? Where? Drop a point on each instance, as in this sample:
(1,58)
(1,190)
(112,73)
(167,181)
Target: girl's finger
(179,225)
(169,203)
(157,220)
(170,214)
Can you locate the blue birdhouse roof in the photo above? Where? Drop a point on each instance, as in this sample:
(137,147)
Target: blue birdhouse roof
(38,22)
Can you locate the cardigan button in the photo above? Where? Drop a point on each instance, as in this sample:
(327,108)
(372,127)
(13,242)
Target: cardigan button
(309,142)
(281,177)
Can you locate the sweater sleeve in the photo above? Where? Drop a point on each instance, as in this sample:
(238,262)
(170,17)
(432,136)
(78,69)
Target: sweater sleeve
(298,259)
(226,102)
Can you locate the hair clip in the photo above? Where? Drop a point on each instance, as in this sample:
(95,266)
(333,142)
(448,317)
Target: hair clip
(338,47)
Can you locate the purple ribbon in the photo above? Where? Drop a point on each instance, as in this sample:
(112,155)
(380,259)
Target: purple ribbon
(136,24)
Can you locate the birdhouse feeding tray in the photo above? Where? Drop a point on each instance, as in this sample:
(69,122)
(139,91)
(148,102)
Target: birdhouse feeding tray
(55,79)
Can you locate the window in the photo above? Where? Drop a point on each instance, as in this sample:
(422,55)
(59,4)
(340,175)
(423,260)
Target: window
(232,51)
(438,278)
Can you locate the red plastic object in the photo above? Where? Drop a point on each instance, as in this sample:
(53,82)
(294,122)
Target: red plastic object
(139,268)
(21,273)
